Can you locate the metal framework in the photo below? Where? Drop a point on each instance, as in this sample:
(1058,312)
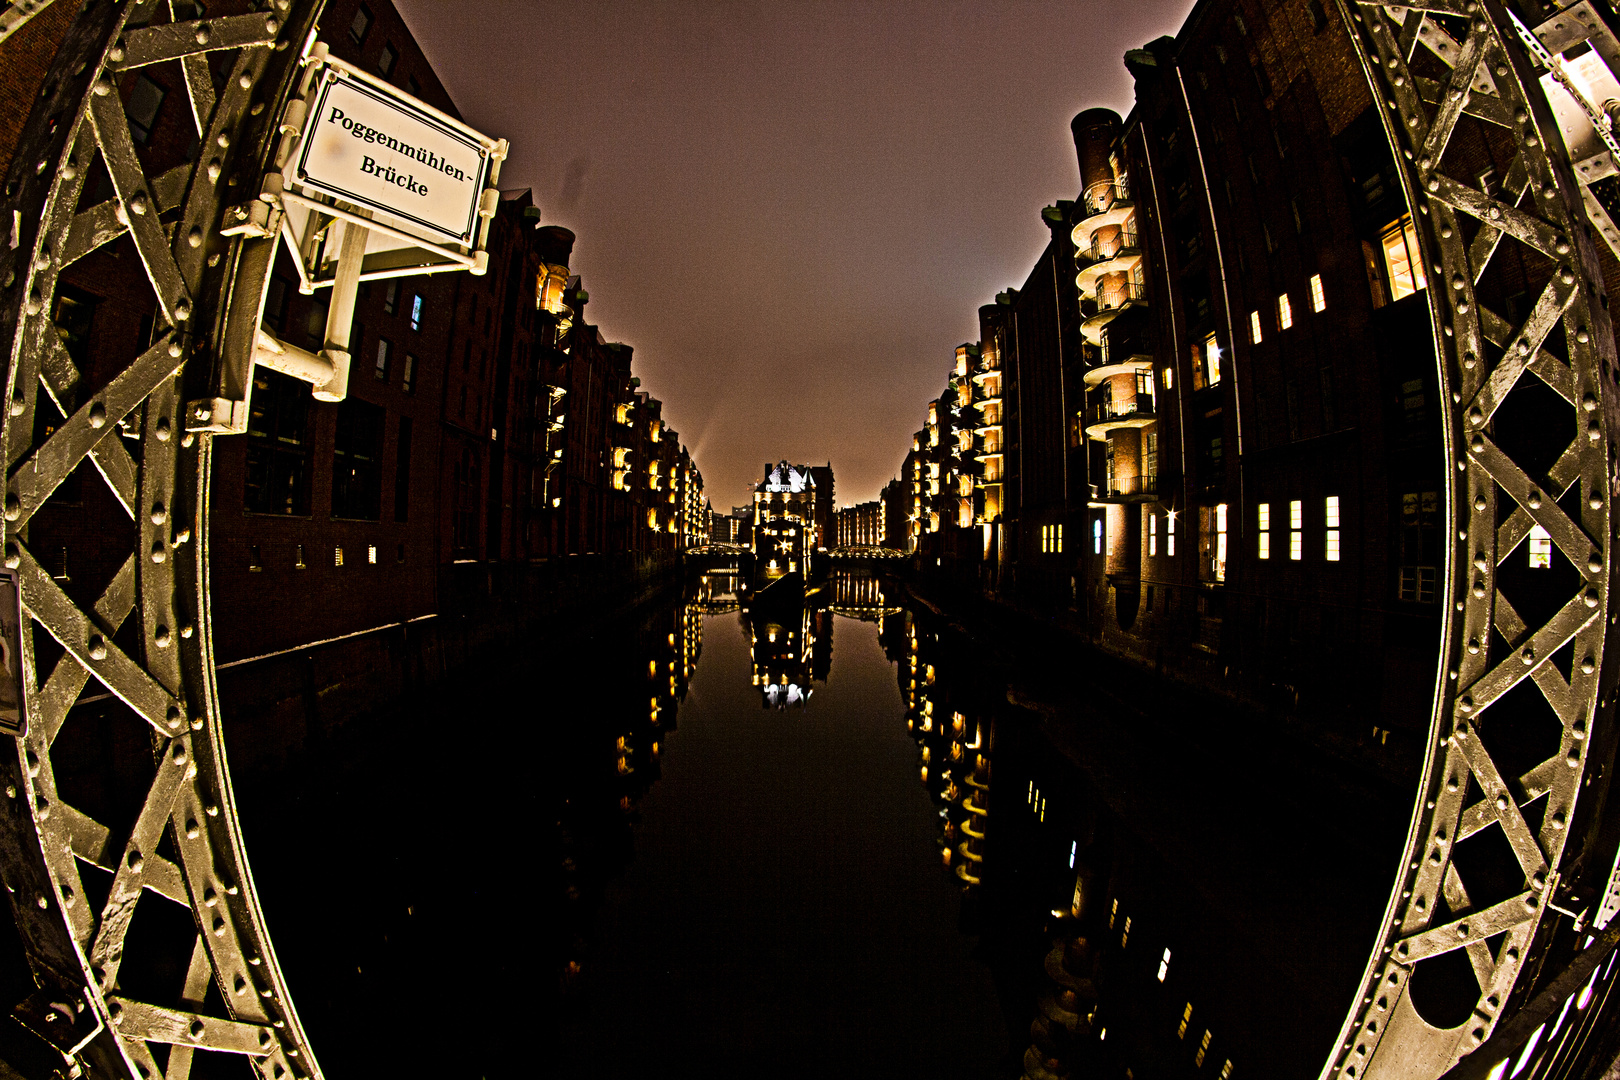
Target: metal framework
(1451,77)
(147,639)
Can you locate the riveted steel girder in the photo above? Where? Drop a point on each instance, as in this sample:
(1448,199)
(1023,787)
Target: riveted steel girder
(147,638)
(1450,77)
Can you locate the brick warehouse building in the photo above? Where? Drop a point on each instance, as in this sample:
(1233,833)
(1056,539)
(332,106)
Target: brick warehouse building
(1209,446)
(482,425)
(1204,428)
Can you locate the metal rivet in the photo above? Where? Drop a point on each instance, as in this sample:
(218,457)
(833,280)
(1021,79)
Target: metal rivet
(158,553)
(163,431)
(98,647)
(161,636)
(160,513)
(135,860)
(193,830)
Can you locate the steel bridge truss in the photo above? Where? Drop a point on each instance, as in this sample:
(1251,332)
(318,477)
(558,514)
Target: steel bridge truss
(1521,731)
(147,638)
(1447,73)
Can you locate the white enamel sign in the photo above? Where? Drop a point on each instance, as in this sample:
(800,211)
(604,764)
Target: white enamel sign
(383,151)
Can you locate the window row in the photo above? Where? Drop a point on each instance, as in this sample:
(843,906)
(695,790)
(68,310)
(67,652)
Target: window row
(1285,310)
(1296,529)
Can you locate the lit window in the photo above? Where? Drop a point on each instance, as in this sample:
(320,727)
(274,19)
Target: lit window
(1126,935)
(1212,359)
(416,312)
(1096,536)
(1296,537)
(383,351)
(1285,312)
(1332,511)
(1203,1048)
(1186,1018)
(1074,849)
(1540,548)
(337,556)
(1265,530)
(1169,378)
(1254,327)
(1170,533)
(371,554)
(1401,259)
(1220,542)
(1153,534)
(1318,297)
(1060,539)
(1164,965)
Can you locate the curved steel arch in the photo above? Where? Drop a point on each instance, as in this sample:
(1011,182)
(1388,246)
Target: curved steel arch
(1476,72)
(147,639)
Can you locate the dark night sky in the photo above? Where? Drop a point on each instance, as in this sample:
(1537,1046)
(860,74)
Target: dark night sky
(792,211)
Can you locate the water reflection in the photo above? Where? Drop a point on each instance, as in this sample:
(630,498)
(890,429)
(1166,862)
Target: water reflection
(957,869)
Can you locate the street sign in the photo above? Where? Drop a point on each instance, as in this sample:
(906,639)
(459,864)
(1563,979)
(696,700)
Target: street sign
(377,148)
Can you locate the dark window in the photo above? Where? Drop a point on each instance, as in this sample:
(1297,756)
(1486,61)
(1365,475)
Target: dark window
(1220,53)
(383,351)
(391,298)
(278,446)
(387,60)
(357,461)
(75,311)
(416,312)
(1262,81)
(415,89)
(1237,21)
(1299,218)
(1318,15)
(464,512)
(408,381)
(145,101)
(466,356)
(402,473)
(275,304)
(315,322)
(1419,541)
(1276,137)
(462,412)
(1330,418)
(361,26)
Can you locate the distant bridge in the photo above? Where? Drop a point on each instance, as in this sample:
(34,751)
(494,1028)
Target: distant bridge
(867,551)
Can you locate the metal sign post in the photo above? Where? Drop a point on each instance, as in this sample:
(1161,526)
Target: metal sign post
(368,183)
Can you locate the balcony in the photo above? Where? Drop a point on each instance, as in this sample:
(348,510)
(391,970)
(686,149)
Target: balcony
(1132,294)
(1112,415)
(1105,203)
(1120,258)
(989,364)
(1126,489)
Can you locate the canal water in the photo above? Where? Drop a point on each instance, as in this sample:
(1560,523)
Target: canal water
(842,839)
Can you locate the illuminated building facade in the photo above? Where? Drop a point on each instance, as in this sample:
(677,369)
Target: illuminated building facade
(786,506)
(1206,426)
(861,525)
(477,429)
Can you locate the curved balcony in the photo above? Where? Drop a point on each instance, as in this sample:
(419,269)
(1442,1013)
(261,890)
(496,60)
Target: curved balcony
(1123,261)
(1097,375)
(1126,489)
(1106,203)
(1119,414)
(1133,295)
